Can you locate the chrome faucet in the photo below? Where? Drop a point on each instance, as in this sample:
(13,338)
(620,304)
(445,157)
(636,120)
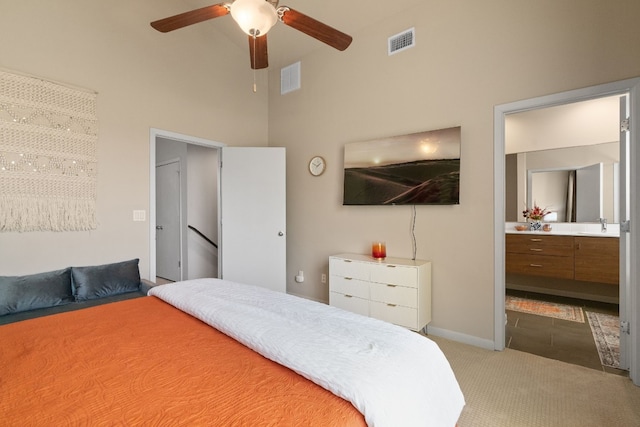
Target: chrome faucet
(603,223)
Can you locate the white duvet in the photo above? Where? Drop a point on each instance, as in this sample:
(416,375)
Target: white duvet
(393,376)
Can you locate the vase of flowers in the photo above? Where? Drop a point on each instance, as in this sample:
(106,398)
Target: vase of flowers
(535,216)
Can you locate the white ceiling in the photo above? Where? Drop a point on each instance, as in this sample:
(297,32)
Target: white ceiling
(287,45)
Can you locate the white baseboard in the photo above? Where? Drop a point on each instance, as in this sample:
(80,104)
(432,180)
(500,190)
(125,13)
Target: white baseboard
(459,337)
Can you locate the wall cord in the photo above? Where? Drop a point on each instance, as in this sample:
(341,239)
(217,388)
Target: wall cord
(412,228)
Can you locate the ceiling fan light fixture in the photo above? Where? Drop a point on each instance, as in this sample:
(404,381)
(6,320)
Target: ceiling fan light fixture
(254,17)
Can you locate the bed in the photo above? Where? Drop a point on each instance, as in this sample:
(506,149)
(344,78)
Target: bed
(213,352)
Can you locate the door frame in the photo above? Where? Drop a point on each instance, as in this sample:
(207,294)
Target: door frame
(154,134)
(631,87)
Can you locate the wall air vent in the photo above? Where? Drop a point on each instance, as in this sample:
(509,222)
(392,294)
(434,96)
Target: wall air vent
(402,41)
(290,78)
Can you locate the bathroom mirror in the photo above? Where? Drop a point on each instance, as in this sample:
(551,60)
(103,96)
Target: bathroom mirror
(577,184)
(549,145)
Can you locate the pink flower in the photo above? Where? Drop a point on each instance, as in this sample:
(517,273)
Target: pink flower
(535,214)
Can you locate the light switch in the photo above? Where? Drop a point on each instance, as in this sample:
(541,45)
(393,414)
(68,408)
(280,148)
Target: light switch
(140,215)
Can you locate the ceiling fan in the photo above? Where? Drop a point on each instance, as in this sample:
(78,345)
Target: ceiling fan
(256,17)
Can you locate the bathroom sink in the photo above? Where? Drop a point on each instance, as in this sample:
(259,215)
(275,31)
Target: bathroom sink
(598,234)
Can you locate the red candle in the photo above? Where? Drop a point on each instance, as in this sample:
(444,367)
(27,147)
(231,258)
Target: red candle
(379,250)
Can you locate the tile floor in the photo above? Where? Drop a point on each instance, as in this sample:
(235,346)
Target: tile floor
(563,340)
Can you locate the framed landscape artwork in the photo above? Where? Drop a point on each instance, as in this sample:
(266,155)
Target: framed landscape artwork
(416,169)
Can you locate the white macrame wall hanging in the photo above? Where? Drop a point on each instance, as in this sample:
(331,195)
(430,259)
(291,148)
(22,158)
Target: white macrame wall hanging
(48,164)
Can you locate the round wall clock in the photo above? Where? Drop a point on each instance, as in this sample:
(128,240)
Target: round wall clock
(317,165)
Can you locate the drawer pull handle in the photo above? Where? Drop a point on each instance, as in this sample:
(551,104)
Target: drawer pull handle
(391,305)
(536,240)
(348,296)
(348,278)
(535,249)
(347,260)
(392,286)
(535,265)
(391,266)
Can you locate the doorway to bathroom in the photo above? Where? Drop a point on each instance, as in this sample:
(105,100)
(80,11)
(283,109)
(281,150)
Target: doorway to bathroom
(628,295)
(564,159)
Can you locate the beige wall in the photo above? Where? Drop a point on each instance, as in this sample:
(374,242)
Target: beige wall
(192,81)
(469,57)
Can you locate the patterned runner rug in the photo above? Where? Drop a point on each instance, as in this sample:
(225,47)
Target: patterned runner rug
(543,308)
(606,333)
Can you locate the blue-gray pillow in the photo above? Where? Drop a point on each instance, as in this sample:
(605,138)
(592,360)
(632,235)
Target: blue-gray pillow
(22,293)
(100,281)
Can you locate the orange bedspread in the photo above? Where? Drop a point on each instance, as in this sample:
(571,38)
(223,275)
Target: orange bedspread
(144,362)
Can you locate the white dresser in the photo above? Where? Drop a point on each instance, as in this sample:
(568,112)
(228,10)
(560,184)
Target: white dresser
(396,290)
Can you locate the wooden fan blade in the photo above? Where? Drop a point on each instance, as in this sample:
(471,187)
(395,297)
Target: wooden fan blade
(258,52)
(315,29)
(189,18)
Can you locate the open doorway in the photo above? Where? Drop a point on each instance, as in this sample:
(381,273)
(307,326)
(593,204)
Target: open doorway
(184,207)
(245,208)
(629,348)
(564,159)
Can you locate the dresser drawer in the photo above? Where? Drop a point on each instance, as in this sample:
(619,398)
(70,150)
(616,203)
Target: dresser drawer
(394,275)
(348,286)
(540,265)
(396,290)
(392,294)
(348,268)
(403,316)
(349,303)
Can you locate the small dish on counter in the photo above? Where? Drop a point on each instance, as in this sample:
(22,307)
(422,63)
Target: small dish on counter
(521,227)
(546,227)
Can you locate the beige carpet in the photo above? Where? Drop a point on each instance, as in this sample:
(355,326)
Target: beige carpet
(512,388)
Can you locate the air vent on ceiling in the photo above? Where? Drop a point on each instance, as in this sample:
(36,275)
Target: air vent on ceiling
(290,78)
(402,41)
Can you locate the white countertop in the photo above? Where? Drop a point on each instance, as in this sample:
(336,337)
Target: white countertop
(568,229)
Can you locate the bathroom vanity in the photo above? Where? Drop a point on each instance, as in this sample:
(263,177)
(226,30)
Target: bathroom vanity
(569,255)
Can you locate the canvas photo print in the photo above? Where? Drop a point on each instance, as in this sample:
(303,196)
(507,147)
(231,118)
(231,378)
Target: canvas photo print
(417,169)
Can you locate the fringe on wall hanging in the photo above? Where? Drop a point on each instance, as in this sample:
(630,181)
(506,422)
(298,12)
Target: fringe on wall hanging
(48,163)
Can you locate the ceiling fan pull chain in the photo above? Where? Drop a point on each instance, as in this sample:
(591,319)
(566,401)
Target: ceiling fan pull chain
(255,88)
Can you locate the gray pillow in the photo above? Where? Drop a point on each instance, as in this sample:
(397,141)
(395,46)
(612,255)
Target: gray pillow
(103,280)
(22,293)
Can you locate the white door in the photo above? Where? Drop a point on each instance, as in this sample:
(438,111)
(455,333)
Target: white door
(625,295)
(253,216)
(168,261)
(589,193)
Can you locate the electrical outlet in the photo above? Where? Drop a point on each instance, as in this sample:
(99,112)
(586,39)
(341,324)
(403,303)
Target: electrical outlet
(323,278)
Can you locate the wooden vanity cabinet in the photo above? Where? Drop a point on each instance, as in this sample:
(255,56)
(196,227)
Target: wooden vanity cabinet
(540,255)
(597,259)
(584,258)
